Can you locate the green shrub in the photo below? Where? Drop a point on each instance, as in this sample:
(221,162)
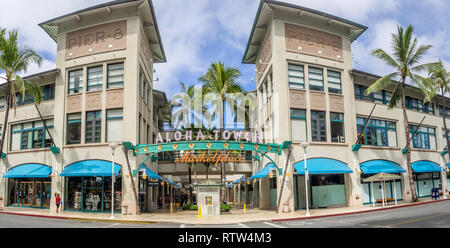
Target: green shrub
(224,208)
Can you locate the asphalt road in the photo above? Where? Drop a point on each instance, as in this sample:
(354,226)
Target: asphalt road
(435,215)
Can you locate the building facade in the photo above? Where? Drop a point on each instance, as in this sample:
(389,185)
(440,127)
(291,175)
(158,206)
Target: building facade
(308,92)
(101,93)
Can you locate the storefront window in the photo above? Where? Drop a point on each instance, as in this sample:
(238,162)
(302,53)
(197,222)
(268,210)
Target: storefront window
(29,192)
(93,193)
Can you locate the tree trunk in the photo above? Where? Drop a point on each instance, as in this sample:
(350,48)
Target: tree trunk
(444,116)
(222,168)
(408,144)
(5,121)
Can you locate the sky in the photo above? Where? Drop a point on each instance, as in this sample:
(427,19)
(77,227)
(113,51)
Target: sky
(197,33)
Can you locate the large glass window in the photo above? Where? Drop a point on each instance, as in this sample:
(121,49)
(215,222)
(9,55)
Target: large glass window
(29,192)
(337,127)
(114,120)
(377,132)
(382,97)
(115,76)
(315,78)
(31,135)
(334,82)
(95,78)
(424,138)
(318,126)
(93,126)
(74,128)
(296,76)
(75,81)
(298,124)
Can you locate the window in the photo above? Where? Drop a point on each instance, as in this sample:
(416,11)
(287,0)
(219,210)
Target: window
(93,126)
(318,126)
(2,102)
(29,99)
(315,78)
(298,124)
(95,78)
(334,82)
(418,105)
(139,128)
(441,111)
(75,81)
(337,127)
(114,122)
(149,94)
(145,92)
(380,97)
(141,83)
(73,128)
(31,135)
(377,132)
(266,90)
(296,76)
(424,138)
(48,92)
(115,76)
(444,141)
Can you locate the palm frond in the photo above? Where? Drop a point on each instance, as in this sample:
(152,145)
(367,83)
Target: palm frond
(381,83)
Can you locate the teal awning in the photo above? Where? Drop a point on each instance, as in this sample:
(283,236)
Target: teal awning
(90,168)
(380,165)
(322,166)
(425,166)
(29,171)
(149,172)
(264,172)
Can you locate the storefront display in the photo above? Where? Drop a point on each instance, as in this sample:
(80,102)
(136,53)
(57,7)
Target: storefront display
(29,192)
(93,194)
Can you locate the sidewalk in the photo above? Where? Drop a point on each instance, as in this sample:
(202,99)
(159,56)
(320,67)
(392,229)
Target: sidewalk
(191,217)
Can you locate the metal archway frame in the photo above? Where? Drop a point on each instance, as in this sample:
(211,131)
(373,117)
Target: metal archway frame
(152,149)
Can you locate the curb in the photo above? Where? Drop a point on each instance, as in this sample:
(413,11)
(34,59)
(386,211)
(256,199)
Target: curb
(274,220)
(361,212)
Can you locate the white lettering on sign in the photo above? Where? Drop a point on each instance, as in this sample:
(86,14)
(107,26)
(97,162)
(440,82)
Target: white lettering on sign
(225,135)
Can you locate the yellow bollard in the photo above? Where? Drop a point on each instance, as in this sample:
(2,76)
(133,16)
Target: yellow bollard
(199,212)
(171,207)
(245,209)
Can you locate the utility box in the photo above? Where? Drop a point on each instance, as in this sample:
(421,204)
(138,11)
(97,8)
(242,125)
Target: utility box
(208,197)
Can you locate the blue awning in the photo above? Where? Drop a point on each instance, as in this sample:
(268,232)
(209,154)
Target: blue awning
(29,171)
(380,165)
(425,166)
(322,166)
(90,168)
(238,181)
(149,172)
(264,171)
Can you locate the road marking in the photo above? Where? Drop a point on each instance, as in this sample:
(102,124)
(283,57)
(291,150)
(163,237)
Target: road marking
(182,225)
(274,225)
(242,225)
(412,221)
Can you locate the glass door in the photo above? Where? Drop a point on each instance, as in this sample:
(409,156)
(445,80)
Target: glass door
(46,191)
(26,193)
(37,197)
(92,194)
(14,192)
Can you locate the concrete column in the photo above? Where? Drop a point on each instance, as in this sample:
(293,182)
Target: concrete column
(353,187)
(163,196)
(264,194)
(246,193)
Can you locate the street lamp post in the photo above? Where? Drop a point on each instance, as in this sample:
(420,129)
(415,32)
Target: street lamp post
(305,145)
(113,146)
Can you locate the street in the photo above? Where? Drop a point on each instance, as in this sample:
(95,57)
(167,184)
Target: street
(435,215)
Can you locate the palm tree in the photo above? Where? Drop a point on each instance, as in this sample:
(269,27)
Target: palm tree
(438,80)
(406,57)
(13,61)
(221,80)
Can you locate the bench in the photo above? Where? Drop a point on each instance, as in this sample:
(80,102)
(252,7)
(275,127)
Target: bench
(387,200)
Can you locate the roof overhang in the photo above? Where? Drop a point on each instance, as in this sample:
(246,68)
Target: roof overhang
(145,9)
(264,16)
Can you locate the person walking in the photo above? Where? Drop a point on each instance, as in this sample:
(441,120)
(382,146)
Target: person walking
(58,201)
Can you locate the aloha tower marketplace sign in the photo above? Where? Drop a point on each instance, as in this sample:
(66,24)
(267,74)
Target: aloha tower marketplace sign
(226,135)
